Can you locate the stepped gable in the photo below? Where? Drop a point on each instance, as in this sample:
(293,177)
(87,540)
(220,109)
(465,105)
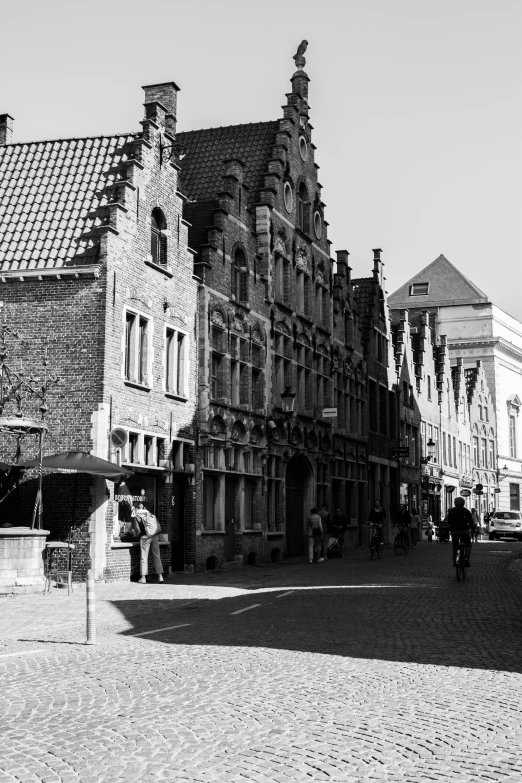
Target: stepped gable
(201,154)
(446,285)
(52,195)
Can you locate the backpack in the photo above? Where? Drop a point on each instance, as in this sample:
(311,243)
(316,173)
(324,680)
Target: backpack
(459,518)
(151,524)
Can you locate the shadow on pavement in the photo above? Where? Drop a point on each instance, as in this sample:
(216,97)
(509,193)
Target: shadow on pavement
(424,616)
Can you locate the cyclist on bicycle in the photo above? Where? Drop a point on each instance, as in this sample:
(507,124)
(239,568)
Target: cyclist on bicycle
(376,517)
(403,522)
(461,527)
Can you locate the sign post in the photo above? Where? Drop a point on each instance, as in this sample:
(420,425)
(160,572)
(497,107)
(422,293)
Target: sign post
(329,413)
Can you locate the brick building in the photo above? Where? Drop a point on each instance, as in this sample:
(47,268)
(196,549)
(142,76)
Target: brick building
(277,327)
(95,268)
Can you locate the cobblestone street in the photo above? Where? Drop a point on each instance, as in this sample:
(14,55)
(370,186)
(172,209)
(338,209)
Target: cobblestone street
(345,671)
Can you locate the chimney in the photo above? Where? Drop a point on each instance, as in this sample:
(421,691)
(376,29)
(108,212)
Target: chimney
(167,95)
(6,129)
(377,268)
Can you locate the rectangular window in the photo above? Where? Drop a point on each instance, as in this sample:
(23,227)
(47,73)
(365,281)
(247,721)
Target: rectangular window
(257,390)
(373,406)
(476,462)
(424,450)
(414,436)
(461,468)
(134,456)
(136,348)
(491,454)
(391,415)
(248,519)
(209,501)
(234,382)
(148,447)
(436,450)
(215,375)
(419,289)
(480,412)
(483,453)
(454,452)
(514,497)
(444,453)
(175,361)
(429,387)
(383,394)
(512,436)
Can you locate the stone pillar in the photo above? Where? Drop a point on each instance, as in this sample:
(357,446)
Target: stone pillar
(21,560)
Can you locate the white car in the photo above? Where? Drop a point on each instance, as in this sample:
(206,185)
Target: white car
(505,524)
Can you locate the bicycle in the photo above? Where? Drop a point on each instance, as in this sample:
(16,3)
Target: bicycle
(375,543)
(461,560)
(401,542)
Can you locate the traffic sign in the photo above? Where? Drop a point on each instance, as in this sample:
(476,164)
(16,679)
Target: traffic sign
(401,451)
(479,487)
(478,491)
(465,493)
(329,413)
(496,490)
(118,437)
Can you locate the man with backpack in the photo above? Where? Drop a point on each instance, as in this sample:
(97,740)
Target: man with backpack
(461,526)
(149,530)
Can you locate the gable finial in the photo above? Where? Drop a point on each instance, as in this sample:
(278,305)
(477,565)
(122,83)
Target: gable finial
(299,55)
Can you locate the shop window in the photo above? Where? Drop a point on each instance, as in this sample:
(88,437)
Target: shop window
(175,362)
(137,335)
(210,487)
(158,238)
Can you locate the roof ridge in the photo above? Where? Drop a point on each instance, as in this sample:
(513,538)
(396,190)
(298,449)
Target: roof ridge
(225,127)
(68,138)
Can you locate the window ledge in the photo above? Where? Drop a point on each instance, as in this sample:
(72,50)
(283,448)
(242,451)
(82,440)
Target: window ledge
(160,268)
(251,530)
(205,532)
(275,533)
(180,397)
(136,385)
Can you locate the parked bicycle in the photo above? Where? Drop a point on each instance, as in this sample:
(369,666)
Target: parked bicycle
(401,542)
(375,542)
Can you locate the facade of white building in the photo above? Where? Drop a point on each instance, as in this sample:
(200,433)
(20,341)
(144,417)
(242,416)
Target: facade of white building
(478,330)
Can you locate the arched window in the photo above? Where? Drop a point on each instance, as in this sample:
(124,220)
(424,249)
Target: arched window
(302,207)
(239,279)
(158,238)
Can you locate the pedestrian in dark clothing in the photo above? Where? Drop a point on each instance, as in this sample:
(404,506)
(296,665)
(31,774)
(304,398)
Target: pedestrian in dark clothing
(324,513)
(340,522)
(403,520)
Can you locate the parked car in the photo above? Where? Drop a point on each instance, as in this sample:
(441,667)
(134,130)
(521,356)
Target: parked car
(505,524)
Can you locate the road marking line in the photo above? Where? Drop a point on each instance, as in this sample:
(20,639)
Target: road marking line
(283,594)
(21,652)
(245,609)
(159,630)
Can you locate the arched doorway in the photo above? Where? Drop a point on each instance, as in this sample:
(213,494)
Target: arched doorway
(299,500)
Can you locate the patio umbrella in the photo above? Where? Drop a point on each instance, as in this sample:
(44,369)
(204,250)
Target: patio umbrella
(80,462)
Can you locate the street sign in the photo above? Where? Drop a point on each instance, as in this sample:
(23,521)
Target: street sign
(401,451)
(465,493)
(329,413)
(118,437)
(478,491)
(479,487)
(496,490)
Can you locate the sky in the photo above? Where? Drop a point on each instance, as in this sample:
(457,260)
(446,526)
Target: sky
(416,107)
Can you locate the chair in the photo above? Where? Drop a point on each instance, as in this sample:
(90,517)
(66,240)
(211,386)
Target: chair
(58,563)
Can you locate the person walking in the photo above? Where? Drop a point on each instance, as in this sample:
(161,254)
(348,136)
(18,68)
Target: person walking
(414,527)
(340,522)
(403,520)
(148,528)
(476,525)
(377,516)
(315,534)
(429,533)
(324,513)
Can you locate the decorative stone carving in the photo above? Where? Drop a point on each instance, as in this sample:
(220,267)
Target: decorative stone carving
(237,323)
(301,259)
(257,337)
(237,432)
(283,326)
(217,427)
(319,276)
(279,245)
(311,440)
(218,319)
(295,437)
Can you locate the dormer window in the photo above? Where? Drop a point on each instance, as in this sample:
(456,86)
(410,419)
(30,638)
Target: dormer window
(158,238)
(419,289)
